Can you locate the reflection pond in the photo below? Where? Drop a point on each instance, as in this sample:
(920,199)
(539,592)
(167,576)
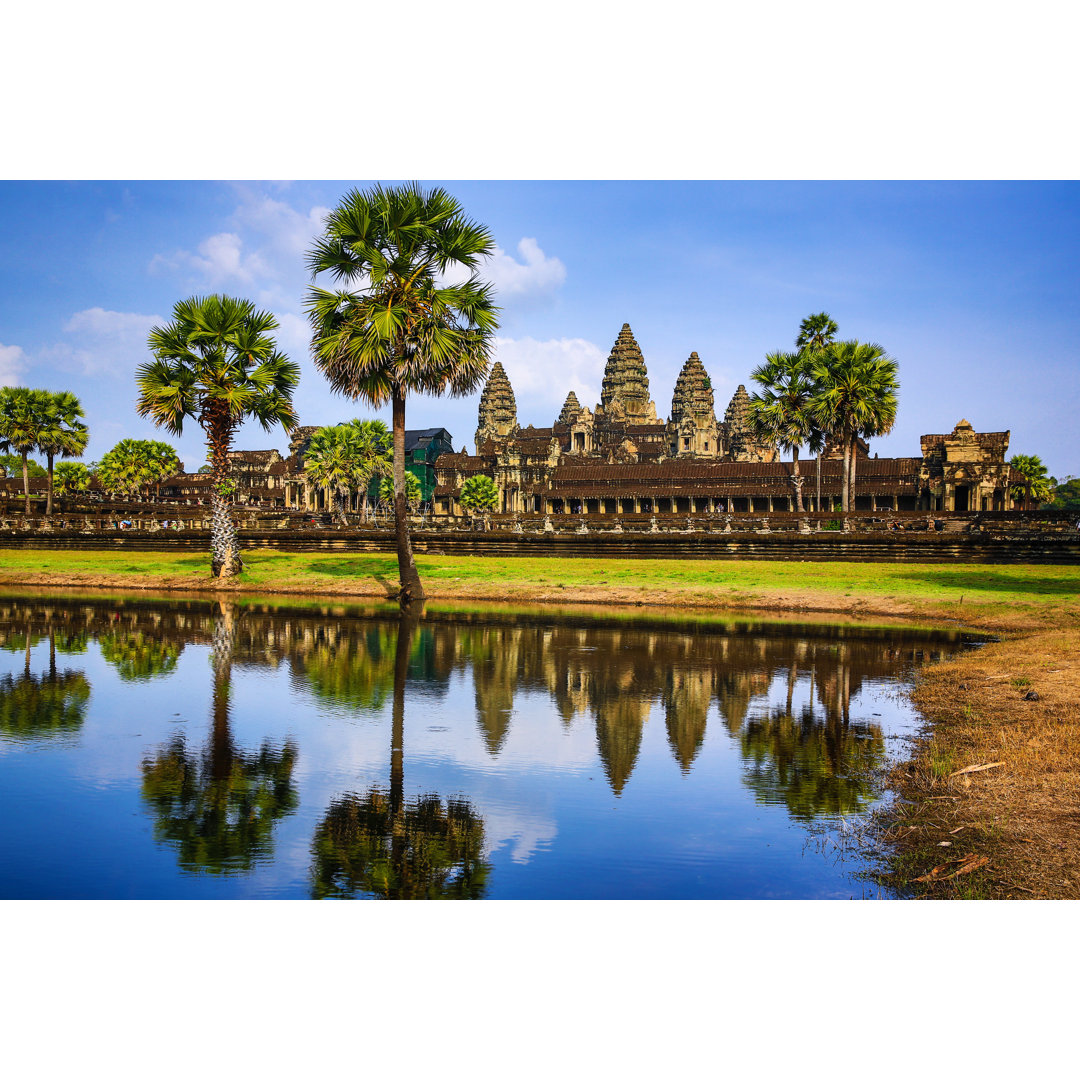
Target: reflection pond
(197,749)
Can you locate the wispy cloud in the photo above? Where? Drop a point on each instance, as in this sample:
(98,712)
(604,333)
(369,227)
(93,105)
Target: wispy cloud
(12,362)
(220,260)
(103,342)
(536,274)
(542,373)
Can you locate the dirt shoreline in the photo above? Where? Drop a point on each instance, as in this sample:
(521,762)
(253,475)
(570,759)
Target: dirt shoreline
(1009,830)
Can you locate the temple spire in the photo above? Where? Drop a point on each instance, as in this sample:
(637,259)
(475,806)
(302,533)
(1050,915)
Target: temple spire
(625,389)
(497,415)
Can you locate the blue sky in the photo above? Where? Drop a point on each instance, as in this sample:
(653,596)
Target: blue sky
(972,286)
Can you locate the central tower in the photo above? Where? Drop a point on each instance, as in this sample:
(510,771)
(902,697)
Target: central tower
(624,393)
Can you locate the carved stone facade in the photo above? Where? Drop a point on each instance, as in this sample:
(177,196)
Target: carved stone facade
(967,470)
(619,458)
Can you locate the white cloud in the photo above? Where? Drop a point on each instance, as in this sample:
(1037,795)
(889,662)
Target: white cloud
(286,230)
(103,342)
(12,361)
(102,323)
(220,259)
(542,373)
(537,274)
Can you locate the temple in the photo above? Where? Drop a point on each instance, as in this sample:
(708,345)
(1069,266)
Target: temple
(621,458)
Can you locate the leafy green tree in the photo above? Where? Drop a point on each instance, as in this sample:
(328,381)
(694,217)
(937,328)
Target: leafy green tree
(479,495)
(403,330)
(71,476)
(412,491)
(1035,483)
(63,433)
(781,413)
(22,419)
(216,364)
(10,464)
(133,465)
(816,333)
(1066,494)
(857,398)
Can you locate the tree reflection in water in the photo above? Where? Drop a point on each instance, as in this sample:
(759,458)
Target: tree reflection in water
(218,809)
(138,656)
(383,845)
(35,706)
(815,769)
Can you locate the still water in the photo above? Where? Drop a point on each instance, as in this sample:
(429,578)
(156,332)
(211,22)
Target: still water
(191,749)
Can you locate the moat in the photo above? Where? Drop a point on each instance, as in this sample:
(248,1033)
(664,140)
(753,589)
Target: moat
(194,749)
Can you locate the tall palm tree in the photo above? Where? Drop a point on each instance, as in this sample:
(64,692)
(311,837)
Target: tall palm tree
(402,331)
(22,418)
(217,364)
(62,432)
(781,412)
(858,397)
(1036,479)
(816,332)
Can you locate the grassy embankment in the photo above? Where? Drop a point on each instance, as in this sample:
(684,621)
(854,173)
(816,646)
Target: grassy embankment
(1012,830)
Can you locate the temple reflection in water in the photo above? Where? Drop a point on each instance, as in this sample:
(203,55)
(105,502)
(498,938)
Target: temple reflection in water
(780,699)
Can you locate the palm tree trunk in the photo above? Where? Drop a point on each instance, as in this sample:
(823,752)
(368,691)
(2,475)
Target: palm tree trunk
(798,480)
(411,588)
(224,546)
(851,472)
(817,495)
(844,482)
(26,481)
(48,501)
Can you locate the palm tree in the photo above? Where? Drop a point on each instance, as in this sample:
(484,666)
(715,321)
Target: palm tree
(332,460)
(377,449)
(816,332)
(781,413)
(22,419)
(1036,479)
(412,491)
(72,476)
(858,397)
(132,465)
(217,364)
(62,433)
(402,331)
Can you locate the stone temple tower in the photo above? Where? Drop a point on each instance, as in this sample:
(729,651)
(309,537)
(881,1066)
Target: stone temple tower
(497,418)
(692,427)
(624,393)
(571,409)
(741,445)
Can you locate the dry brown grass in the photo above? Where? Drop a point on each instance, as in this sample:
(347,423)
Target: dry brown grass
(1023,816)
